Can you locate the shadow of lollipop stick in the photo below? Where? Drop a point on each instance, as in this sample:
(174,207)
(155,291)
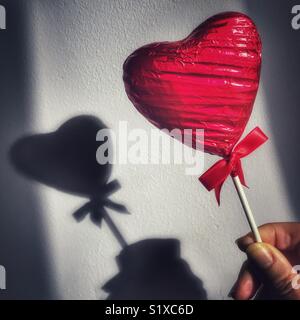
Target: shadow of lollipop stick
(113,228)
(97,215)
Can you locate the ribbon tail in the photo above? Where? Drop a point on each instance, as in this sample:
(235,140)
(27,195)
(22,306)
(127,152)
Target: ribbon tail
(238,172)
(97,214)
(214,177)
(242,178)
(218,189)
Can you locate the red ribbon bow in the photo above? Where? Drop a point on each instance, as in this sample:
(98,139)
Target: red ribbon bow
(215,176)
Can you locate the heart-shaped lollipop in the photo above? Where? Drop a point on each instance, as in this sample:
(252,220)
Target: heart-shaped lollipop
(208,80)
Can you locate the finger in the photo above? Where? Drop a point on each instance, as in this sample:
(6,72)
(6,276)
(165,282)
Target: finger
(284,236)
(275,270)
(246,285)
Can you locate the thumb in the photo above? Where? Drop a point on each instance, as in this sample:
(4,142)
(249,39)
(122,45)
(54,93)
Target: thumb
(274,268)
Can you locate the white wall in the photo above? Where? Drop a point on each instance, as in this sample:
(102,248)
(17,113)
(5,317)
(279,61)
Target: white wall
(79,49)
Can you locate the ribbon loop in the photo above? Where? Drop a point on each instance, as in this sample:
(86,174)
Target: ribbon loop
(215,176)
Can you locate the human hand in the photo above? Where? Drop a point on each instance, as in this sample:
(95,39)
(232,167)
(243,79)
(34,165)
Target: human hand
(270,263)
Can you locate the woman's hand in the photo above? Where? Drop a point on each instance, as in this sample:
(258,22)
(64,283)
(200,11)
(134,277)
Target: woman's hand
(270,264)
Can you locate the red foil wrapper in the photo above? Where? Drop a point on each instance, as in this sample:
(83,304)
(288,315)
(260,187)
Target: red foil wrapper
(208,80)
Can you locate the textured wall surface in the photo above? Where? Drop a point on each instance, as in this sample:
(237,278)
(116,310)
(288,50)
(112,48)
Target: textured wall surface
(77,51)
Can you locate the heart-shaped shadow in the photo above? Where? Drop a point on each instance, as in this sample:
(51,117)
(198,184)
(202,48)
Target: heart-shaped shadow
(66,160)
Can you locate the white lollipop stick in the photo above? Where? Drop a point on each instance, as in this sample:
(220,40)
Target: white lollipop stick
(246,207)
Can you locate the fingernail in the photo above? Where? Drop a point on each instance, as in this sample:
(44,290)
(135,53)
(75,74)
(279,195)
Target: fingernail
(261,255)
(244,241)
